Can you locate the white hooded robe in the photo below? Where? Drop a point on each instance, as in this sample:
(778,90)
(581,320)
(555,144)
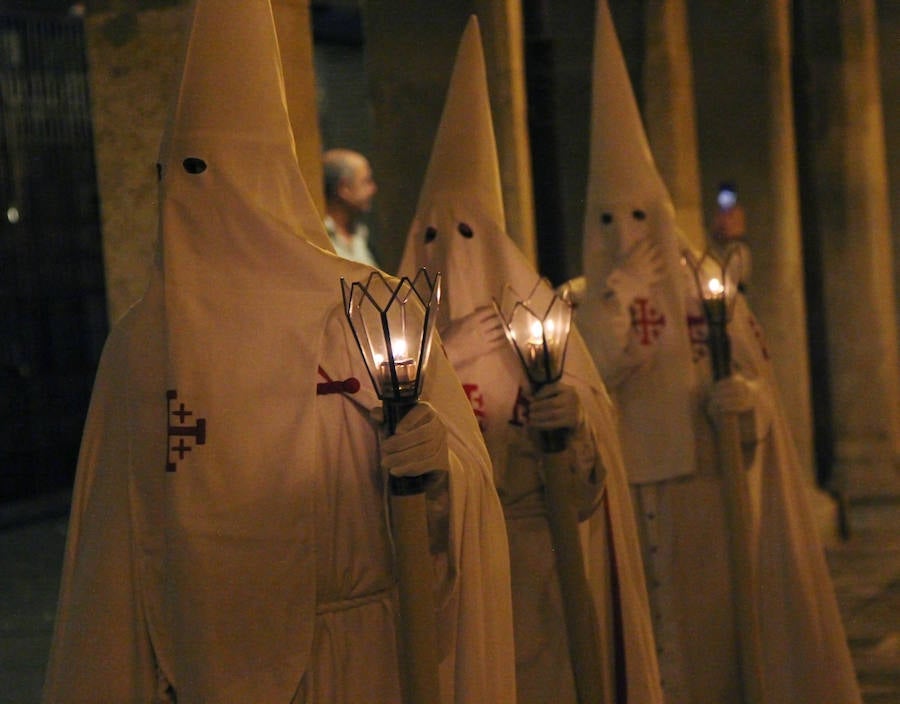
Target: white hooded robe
(228,538)
(459,230)
(658,369)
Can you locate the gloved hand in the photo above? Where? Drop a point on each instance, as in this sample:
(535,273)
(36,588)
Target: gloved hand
(736,395)
(643,262)
(475,334)
(633,278)
(419,444)
(555,406)
(733,394)
(573,290)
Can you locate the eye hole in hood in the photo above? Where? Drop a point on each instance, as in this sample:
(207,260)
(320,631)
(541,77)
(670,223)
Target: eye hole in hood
(194,165)
(430,234)
(465,230)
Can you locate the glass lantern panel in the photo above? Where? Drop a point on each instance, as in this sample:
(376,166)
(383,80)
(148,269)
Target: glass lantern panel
(392,324)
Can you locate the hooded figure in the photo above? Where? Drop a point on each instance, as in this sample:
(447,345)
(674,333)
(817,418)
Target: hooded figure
(645,326)
(228,539)
(459,230)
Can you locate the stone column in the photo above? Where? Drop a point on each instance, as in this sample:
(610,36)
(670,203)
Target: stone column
(668,89)
(850,198)
(741,53)
(889,60)
(501,30)
(292,23)
(410,49)
(134,59)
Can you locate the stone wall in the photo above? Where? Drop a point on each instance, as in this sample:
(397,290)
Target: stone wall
(134,59)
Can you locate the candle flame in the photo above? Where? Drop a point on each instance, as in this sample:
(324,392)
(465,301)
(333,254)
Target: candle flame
(715,287)
(399,347)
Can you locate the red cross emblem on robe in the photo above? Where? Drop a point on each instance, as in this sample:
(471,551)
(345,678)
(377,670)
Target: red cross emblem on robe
(646,321)
(476,400)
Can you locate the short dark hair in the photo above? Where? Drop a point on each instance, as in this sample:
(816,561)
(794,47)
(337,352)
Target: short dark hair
(337,168)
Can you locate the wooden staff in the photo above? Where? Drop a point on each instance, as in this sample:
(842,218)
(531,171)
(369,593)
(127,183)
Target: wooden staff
(417,642)
(578,602)
(739,511)
(743,566)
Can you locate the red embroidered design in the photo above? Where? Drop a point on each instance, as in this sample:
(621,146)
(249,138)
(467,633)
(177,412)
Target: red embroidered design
(477,402)
(646,321)
(182,431)
(330,386)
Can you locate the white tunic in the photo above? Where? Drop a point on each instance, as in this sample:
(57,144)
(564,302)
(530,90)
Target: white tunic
(684,535)
(494,383)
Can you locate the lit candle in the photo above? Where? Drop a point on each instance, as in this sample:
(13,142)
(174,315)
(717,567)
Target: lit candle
(406,368)
(714,302)
(534,349)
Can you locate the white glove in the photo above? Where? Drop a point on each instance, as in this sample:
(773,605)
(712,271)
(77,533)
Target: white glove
(419,444)
(573,290)
(473,335)
(643,262)
(555,406)
(746,398)
(733,394)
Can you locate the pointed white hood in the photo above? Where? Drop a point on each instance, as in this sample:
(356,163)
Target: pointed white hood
(627,202)
(459,230)
(459,227)
(193,557)
(230,109)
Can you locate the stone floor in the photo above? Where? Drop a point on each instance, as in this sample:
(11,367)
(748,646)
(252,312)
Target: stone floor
(865,569)
(866,574)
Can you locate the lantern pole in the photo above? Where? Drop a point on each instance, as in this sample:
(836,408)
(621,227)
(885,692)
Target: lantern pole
(717,282)
(393,328)
(541,350)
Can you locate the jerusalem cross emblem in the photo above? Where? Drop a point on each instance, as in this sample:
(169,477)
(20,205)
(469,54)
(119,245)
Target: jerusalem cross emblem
(646,321)
(181,432)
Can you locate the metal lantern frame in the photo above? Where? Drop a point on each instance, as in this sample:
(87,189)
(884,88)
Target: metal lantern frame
(393,322)
(716,278)
(537,326)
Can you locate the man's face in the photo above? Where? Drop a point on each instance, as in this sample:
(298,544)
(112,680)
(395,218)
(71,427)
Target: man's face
(359,189)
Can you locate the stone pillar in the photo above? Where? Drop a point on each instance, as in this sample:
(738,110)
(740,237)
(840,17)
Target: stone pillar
(851,207)
(668,89)
(889,60)
(501,30)
(410,49)
(741,53)
(134,59)
(292,23)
